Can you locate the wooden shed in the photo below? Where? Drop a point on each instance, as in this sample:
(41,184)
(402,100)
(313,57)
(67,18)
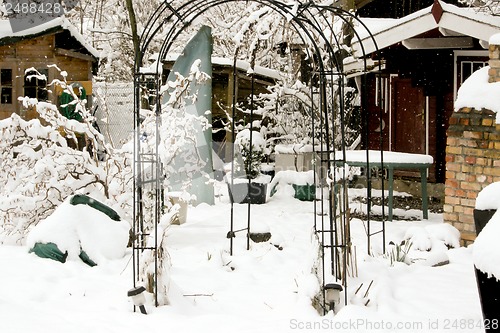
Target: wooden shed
(53,43)
(224,83)
(425,56)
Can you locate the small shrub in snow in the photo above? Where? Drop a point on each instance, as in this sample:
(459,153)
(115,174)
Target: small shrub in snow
(287,117)
(399,252)
(419,237)
(444,233)
(251,151)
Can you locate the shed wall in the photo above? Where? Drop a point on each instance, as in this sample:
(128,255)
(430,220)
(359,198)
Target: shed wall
(38,52)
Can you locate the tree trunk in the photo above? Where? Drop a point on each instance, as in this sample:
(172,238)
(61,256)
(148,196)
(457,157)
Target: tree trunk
(133,27)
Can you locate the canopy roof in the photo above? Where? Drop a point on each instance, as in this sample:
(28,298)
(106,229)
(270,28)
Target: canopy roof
(451,21)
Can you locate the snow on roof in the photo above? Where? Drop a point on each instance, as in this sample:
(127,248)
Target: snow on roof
(476,92)
(6,31)
(387,32)
(244,65)
(240,64)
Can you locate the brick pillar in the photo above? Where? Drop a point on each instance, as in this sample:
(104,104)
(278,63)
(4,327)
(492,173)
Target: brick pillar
(472,158)
(494,71)
(472,163)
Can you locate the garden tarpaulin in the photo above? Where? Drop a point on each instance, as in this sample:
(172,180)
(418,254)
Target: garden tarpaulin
(50,250)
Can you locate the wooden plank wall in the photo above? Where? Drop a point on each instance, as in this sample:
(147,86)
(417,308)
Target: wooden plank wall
(38,53)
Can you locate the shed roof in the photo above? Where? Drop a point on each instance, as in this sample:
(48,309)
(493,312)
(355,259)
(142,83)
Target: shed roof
(7,36)
(218,61)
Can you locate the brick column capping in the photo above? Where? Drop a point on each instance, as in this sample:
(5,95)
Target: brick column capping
(472,157)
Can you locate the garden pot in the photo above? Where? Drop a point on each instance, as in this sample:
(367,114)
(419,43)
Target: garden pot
(488,286)
(305,192)
(244,192)
(259,237)
(481,217)
(489,295)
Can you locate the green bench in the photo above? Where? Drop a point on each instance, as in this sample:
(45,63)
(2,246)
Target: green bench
(391,161)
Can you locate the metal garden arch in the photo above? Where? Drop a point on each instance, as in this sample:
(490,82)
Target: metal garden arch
(312,23)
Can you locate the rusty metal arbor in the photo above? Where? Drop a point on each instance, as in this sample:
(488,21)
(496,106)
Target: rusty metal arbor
(314,26)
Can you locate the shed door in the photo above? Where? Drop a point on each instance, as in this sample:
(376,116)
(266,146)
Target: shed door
(408,117)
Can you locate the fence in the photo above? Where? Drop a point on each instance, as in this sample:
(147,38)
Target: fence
(114,110)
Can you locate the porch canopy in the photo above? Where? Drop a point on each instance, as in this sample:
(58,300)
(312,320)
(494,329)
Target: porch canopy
(456,25)
(425,57)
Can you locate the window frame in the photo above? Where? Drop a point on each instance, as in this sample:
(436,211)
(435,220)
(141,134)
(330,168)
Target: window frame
(39,89)
(466,56)
(5,86)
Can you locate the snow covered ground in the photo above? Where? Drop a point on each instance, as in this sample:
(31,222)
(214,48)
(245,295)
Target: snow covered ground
(265,289)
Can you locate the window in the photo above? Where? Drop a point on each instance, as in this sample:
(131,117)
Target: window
(35,84)
(467,67)
(466,63)
(6,86)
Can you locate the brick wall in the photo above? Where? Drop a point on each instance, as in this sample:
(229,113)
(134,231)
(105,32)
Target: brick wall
(472,158)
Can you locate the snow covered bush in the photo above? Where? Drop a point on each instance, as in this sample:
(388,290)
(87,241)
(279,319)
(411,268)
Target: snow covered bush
(41,169)
(286,115)
(147,262)
(250,146)
(491,7)
(289,113)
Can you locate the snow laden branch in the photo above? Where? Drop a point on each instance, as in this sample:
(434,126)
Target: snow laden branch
(249,31)
(288,113)
(491,7)
(42,164)
(179,123)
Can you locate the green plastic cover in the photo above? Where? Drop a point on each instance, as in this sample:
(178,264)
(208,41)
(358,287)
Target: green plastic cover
(304,192)
(51,251)
(69,110)
(82,199)
(199,47)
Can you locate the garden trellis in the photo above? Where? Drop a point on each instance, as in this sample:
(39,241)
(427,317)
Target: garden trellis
(314,29)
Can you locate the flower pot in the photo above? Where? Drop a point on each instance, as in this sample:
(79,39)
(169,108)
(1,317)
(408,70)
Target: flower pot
(481,217)
(259,237)
(489,294)
(244,192)
(304,192)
